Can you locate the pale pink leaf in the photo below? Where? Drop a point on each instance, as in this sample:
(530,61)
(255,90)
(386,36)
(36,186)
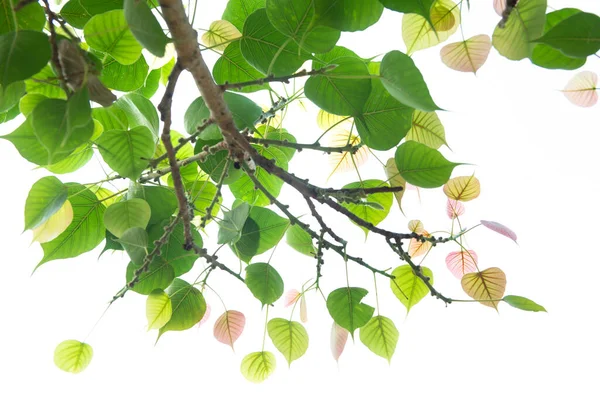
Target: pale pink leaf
(417,248)
(454,208)
(582,89)
(303,311)
(468,55)
(499,6)
(205,316)
(339,336)
(229,326)
(291,297)
(461,262)
(501,229)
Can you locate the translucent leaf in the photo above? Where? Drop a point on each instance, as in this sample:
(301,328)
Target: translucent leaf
(256,367)
(327,120)
(499,6)
(303,310)
(339,337)
(427,129)
(264,282)
(462,188)
(346,308)
(135,242)
(291,296)
(206,316)
(416,226)
(523,303)
(468,55)
(525,23)
(300,240)
(158,309)
(408,287)
(120,217)
(582,89)
(289,337)
(109,33)
(127,152)
(501,229)
(454,209)
(419,34)
(423,166)
(380,336)
(219,34)
(73,356)
(55,225)
(346,161)
(485,286)
(230,228)
(375,207)
(188,307)
(395,180)
(229,326)
(45,198)
(145,27)
(418,248)
(461,262)
(575,36)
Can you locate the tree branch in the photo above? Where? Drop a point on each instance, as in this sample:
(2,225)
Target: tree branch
(182,142)
(272,78)
(349,148)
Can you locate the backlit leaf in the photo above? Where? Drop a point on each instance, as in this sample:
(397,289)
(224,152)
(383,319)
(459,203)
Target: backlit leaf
(408,287)
(256,367)
(45,198)
(501,229)
(289,337)
(188,307)
(303,311)
(485,286)
(158,309)
(346,308)
(525,24)
(468,55)
(462,188)
(23,54)
(339,337)
(346,161)
(418,248)
(55,225)
(523,303)
(380,336)
(135,242)
(109,33)
(365,210)
(121,216)
(454,209)
(461,262)
(327,120)
(395,180)
(427,129)
(145,27)
(264,282)
(73,356)
(219,35)
(582,89)
(416,226)
(229,327)
(418,33)
(291,297)
(423,166)
(575,36)
(127,152)
(299,240)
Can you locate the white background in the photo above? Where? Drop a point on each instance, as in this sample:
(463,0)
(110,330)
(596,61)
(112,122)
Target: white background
(536,157)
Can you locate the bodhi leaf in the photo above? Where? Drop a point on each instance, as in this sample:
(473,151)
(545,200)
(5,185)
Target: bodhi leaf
(262,231)
(339,337)
(22,54)
(55,225)
(485,286)
(416,226)
(125,78)
(73,356)
(230,228)
(404,81)
(289,337)
(462,188)
(162,202)
(468,55)
(219,35)
(127,152)
(365,208)
(264,282)
(575,36)
(454,209)
(45,198)
(420,33)
(109,33)
(582,89)
(229,327)
(135,242)
(139,112)
(173,252)
(380,336)
(420,7)
(501,229)
(395,180)
(10,95)
(158,309)
(237,11)
(233,67)
(159,276)
(31,17)
(427,129)
(462,262)
(423,166)
(408,287)
(188,307)
(525,24)
(523,303)
(256,367)
(418,247)
(348,15)
(75,14)
(347,310)
(144,26)
(300,240)
(346,160)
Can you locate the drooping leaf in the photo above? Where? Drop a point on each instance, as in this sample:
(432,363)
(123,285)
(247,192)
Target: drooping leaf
(220,34)
(158,276)
(422,166)
(230,228)
(523,303)
(264,282)
(45,198)
(108,32)
(158,309)
(582,89)
(468,55)
(188,307)
(300,240)
(127,152)
(339,337)
(346,160)
(256,367)
(144,26)
(289,337)
(575,36)
(291,297)
(404,81)
(173,253)
(348,15)
(395,180)
(125,78)
(262,230)
(462,188)
(524,25)
(380,336)
(485,286)
(420,7)
(501,229)
(22,54)
(346,308)
(303,311)
(454,209)
(139,112)
(461,262)
(419,32)
(120,217)
(418,248)
(135,242)
(427,129)
(162,202)
(365,210)
(110,118)
(229,327)
(73,356)
(408,287)
(55,225)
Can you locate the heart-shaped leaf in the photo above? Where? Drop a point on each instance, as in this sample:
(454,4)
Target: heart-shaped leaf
(347,310)
(380,336)
(289,337)
(461,262)
(408,287)
(582,89)
(256,367)
(462,188)
(264,282)
(486,286)
(73,356)
(229,327)
(468,55)
(158,309)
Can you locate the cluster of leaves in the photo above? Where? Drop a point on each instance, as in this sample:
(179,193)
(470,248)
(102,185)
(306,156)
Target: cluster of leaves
(53,66)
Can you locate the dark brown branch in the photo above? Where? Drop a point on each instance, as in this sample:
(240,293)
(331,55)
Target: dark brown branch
(324,226)
(50,16)
(208,212)
(272,78)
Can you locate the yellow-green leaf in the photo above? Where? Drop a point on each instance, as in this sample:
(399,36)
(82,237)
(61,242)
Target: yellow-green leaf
(408,287)
(109,33)
(219,34)
(346,161)
(380,336)
(289,337)
(525,24)
(73,356)
(395,180)
(462,188)
(121,216)
(485,286)
(158,309)
(419,34)
(427,129)
(327,120)
(256,367)
(55,225)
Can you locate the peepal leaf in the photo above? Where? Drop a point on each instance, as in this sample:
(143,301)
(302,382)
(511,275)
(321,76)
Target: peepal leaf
(145,27)
(408,287)
(188,307)
(462,188)
(422,166)
(158,309)
(300,240)
(523,303)
(109,33)
(486,286)
(264,282)
(120,217)
(395,180)
(468,55)
(347,310)
(420,33)
(525,24)
(229,327)
(73,356)
(22,54)
(454,209)
(380,336)
(219,35)
(461,262)
(45,198)
(427,129)
(256,367)
(582,89)
(575,36)
(289,337)
(501,229)
(127,152)
(339,337)
(55,225)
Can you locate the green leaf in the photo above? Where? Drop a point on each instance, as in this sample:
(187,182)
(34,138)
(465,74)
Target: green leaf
(162,202)
(348,15)
(121,216)
(268,132)
(237,11)
(85,232)
(159,276)
(165,71)
(145,27)
(44,82)
(289,337)
(9,115)
(427,129)
(423,166)
(74,13)
(420,7)
(342,91)
(547,57)
(135,242)
(28,103)
(404,81)
(173,253)
(109,33)
(383,121)
(525,23)
(45,197)
(576,36)
(264,282)
(366,211)
(380,336)
(256,367)
(10,95)
(523,303)
(321,60)
(124,78)
(293,18)
(31,17)
(347,310)
(111,118)
(73,356)
(77,159)
(267,49)
(158,309)
(408,287)
(202,193)
(27,144)
(151,84)
(300,240)
(188,307)
(230,228)
(262,231)
(101,6)
(127,152)
(232,67)
(22,54)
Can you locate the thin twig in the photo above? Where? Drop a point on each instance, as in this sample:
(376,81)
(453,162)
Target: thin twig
(212,261)
(349,148)
(182,142)
(208,212)
(272,78)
